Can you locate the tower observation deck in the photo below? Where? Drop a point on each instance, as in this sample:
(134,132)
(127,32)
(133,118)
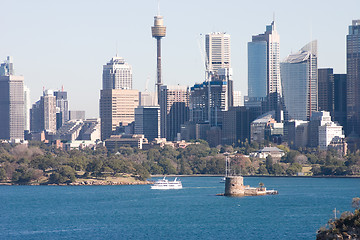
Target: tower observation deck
(158,32)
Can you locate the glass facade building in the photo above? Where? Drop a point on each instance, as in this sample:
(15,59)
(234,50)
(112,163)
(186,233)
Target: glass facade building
(353,77)
(257,69)
(300,83)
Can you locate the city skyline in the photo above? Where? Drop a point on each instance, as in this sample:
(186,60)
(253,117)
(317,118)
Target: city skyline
(71,44)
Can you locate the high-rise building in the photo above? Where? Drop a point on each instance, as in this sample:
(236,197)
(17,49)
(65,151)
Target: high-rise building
(174,110)
(353,77)
(117,108)
(62,105)
(27,107)
(43,113)
(238,99)
(339,112)
(236,125)
(205,98)
(7,67)
(218,52)
(76,115)
(158,31)
(264,67)
(147,98)
(11,107)
(147,121)
(300,83)
(117,74)
(325,89)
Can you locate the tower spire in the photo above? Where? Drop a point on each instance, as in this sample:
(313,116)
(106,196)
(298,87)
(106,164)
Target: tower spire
(158,32)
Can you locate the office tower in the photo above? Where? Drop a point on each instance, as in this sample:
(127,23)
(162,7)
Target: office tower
(325,89)
(236,125)
(147,98)
(62,105)
(238,99)
(218,53)
(296,133)
(27,107)
(300,82)
(76,115)
(11,107)
(7,67)
(147,121)
(204,99)
(339,113)
(117,74)
(117,108)
(158,31)
(174,110)
(353,77)
(264,67)
(43,113)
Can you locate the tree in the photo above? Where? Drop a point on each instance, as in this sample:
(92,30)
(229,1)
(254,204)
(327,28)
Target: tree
(262,170)
(2,174)
(65,174)
(294,169)
(269,164)
(277,169)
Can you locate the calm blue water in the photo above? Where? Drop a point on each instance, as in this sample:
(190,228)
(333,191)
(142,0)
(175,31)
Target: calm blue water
(137,212)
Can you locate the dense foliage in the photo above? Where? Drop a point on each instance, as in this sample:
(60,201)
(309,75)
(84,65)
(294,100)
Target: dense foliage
(39,163)
(345,227)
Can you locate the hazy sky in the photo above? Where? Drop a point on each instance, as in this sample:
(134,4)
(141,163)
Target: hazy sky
(67,42)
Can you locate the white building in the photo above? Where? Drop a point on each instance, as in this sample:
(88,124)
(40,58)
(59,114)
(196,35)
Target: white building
(117,74)
(218,52)
(328,132)
(147,98)
(238,99)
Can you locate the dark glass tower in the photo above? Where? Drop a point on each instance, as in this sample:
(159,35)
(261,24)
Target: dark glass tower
(325,89)
(353,77)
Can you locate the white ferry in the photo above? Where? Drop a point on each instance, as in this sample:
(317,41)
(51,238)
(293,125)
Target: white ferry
(166,184)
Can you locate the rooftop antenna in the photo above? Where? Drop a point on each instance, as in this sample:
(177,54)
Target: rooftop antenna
(116,44)
(147,83)
(158,12)
(62,88)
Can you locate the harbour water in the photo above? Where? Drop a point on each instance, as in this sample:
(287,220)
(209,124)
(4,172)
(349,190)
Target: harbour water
(194,212)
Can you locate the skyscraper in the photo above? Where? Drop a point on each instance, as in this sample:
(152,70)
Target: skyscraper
(117,108)
(209,99)
(117,99)
(27,107)
(326,89)
(218,52)
(174,110)
(62,105)
(353,77)
(264,67)
(300,82)
(43,113)
(117,74)
(7,67)
(158,31)
(147,121)
(11,107)
(339,113)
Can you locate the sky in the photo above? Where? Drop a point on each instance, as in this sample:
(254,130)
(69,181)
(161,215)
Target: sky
(66,43)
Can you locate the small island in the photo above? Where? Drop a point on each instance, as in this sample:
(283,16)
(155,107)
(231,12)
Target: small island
(234,187)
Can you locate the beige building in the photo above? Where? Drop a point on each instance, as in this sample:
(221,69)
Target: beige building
(117,107)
